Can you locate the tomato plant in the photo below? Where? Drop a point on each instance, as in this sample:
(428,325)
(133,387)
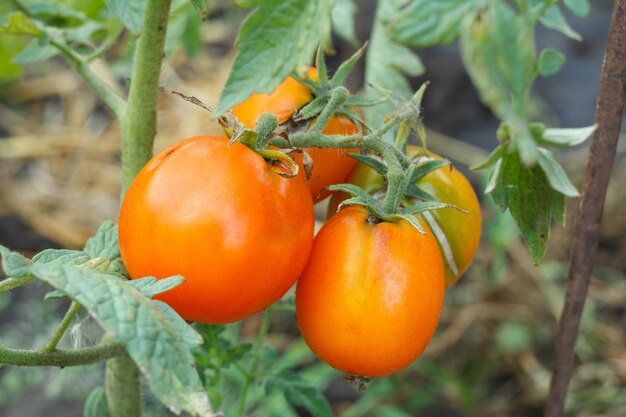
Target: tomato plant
(457,232)
(330,166)
(369,298)
(224,219)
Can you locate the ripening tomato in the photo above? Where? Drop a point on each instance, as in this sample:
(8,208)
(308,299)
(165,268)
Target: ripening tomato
(220,216)
(330,166)
(369,299)
(457,233)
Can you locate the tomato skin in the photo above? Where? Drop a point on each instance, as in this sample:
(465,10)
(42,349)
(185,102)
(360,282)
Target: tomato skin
(461,231)
(369,299)
(330,166)
(218,215)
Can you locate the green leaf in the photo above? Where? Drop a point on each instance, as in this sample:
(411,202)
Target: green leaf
(556,176)
(54,295)
(19,24)
(554,19)
(388,63)
(550,62)
(104,243)
(96,404)
(10,45)
(277,37)
(35,52)
(64,256)
(141,326)
(299,392)
(566,137)
(129,12)
(57,15)
(150,286)
(187,333)
(530,198)
(342,16)
(498,52)
(579,7)
(202,8)
(427,23)
(14,265)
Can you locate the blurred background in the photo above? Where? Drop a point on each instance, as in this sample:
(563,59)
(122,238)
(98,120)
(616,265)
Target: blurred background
(492,354)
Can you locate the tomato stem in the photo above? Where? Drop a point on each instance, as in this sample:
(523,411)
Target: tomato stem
(60,358)
(139,121)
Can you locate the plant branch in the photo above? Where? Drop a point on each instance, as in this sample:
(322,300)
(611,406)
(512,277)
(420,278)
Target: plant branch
(139,122)
(108,96)
(609,108)
(123,387)
(60,331)
(60,358)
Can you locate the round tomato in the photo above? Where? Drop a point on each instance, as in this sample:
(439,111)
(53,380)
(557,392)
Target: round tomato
(458,233)
(330,166)
(369,299)
(221,217)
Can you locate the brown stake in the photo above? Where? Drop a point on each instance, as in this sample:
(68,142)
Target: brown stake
(609,109)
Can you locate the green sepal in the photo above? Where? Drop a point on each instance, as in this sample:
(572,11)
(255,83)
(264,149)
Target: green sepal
(426,168)
(371,161)
(394,218)
(346,67)
(413,192)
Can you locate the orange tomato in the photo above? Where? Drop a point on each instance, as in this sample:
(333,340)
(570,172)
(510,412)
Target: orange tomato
(218,215)
(330,166)
(369,299)
(457,233)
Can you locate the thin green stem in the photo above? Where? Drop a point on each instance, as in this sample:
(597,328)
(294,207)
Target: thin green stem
(139,122)
(11,283)
(108,96)
(60,358)
(256,353)
(60,331)
(337,98)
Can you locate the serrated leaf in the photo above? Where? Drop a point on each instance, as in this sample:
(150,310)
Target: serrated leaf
(140,325)
(14,264)
(566,137)
(96,404)
(273,40)
(299,392)
(186,332)
(555,174)
(554,19)
(388,63)
(129,12)
(35,52)
(19,24)
(104,243)
(65,256)
(580,8)
(550,62)
(427,23)
(342,16)
(530,199)
(150,286)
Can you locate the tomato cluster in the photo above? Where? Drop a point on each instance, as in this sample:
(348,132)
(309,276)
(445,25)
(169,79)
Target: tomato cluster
(240,231)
